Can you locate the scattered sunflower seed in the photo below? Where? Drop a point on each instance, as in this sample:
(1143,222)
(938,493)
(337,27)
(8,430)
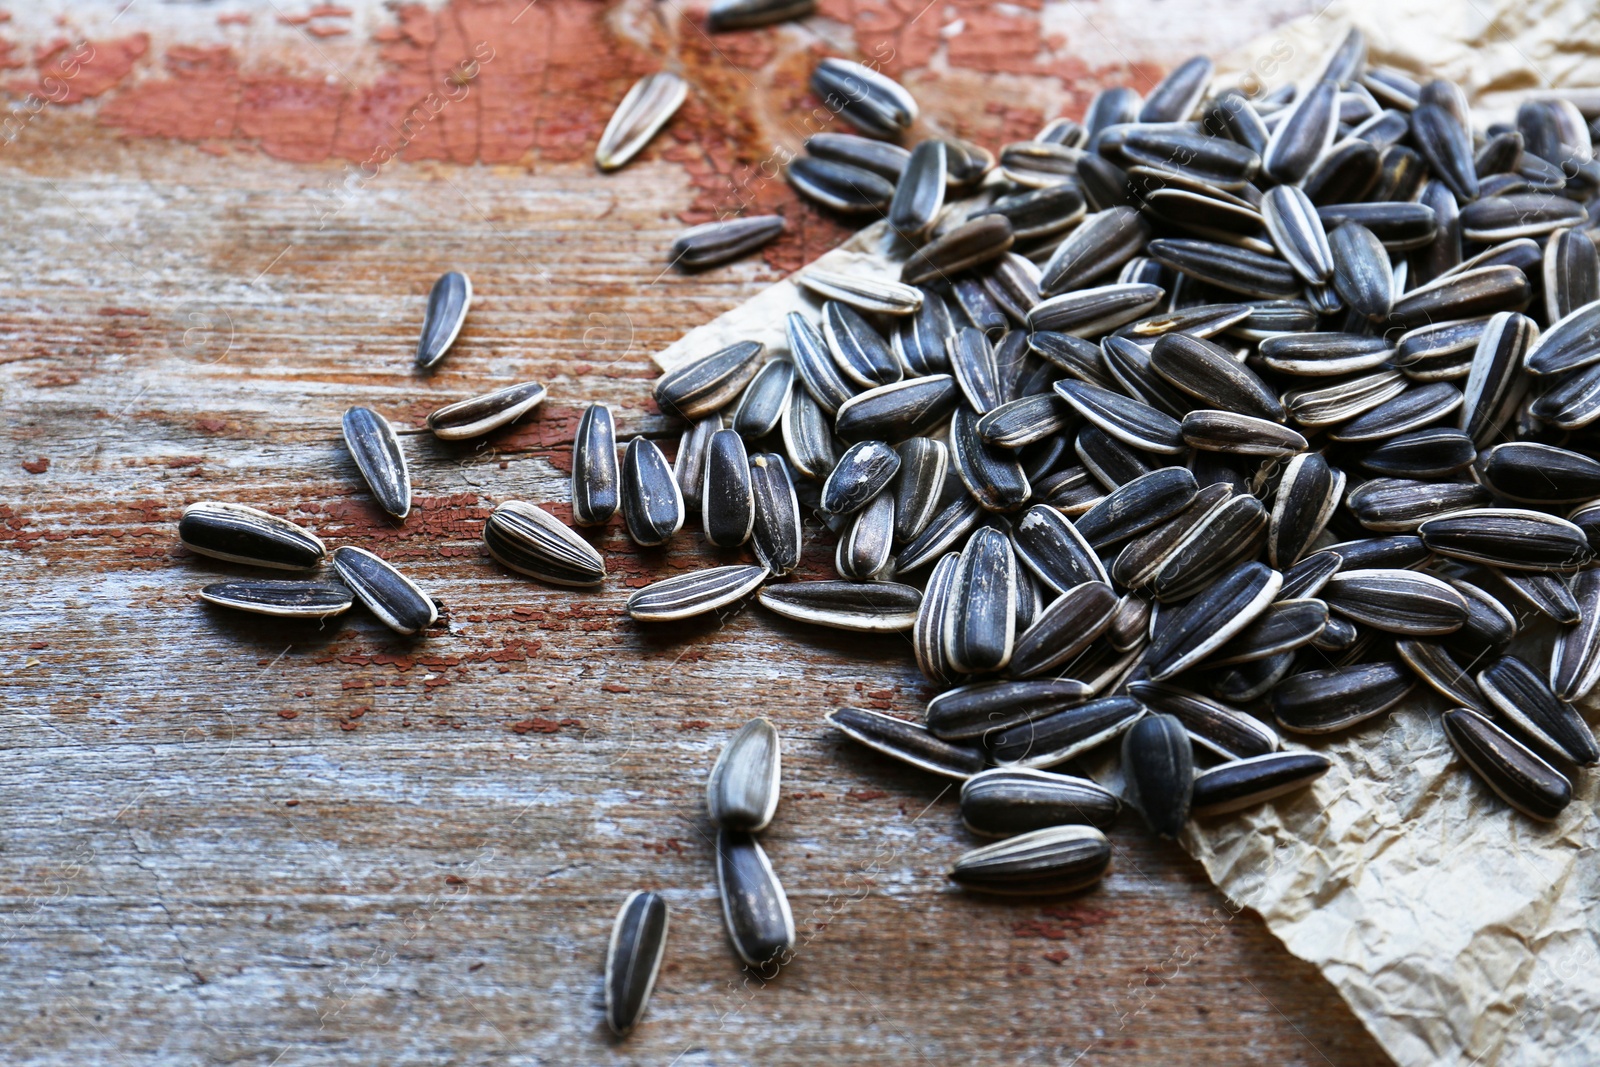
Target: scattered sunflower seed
(1057,859)
(376,451)
(286,599)
(683,596)
(652,101)
(384,591)
(481,414)
(534,542)
(633,959)
(242,534)
(742,792)
(448,303)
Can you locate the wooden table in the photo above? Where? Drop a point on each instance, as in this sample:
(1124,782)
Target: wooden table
(237,840)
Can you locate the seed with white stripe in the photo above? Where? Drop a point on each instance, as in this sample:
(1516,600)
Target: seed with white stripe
(754,907)
(1322,702)
(728,507)
(859,351)
(653,100)
(242,534)
(974,242)
(1549,724)
(742,791)
(376,451)
(652,503)
(993,476)
(776,531)
(1205,623)
(689,466)
(704,385)
(1057,859)
(1297,231)
(480,414)
(907,742)
(873,607)
(919,194)
(594,467)
(1223,730)
(448,303)
(1521,778)
(285,599)
(875,103)
(1059,737)
(980,625)
(863,292)
(384,591)
(867,545)
(1508,537)
(683,596)
(716,242)
(1245,783)
(633,959)
(1007,801)
(765,399)
(1066,627)
(534,542)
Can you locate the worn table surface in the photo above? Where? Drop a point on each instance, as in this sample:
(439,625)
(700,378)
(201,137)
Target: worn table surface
(246,841)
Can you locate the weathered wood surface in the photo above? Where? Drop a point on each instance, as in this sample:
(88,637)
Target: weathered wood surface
(234,840)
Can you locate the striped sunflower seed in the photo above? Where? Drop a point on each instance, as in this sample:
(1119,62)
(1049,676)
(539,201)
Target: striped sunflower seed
(907,742)
(1544,594)
(918,483)
(1056,859)
(1326,701)
(1304,135)
(1506,766)
(1064,735)
(814,364)
(992,475)
(1240,435)
(879,157)
(1130,624)
(927,636)
(1064,630)
(1142,558)
(1573,403)
(1396,601)
(1496,385)
(689,466)
(966,163)
(1005,802)
(1245,783)
(764,400)
(716,242)
(1091,312)
(652,503)
(1035,214)
(728,505)
(1571,273)
(875,607)
(974,242)
(1137,506)
(1225,731)
(919,339)
(448,302)
(776,532)
(1324,355)
(1431,453)
(944,533)
(977,372)
(532,541)
(1568,345)
(1511,538)
(481,414)
(1400,504)
(1348,171)
(1528,472)
(384,591)
(748,14)
(1523,699)
(1056,551)
(1501,218)
(844,187)
(1230,534)
(376,450)
(683,596)
(1205,623)
(594,467)
(652,101)
(1343,400)
(1308,493)
(858,350)
(863,293)
(242,534)
(1135,424)
(1285,626)
(875,104)
(633,959)
(1478,291)
(861,473)
(709,383)
(867,546)
(1362,274)
(1158,760)
(919,194)
(1039,164)
(1307,577)
(742,792)
(1575,660)
(980,623)
(1019,423)
(972,711)
(1438,669)
(1407,411)
(1176,96)
(754,907)
(1297,232)
(1095,249)
(1447,146)
(285,599)
(1238,270)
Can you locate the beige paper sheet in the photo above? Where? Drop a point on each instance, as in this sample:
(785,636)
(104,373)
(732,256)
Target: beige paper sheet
(1458,931)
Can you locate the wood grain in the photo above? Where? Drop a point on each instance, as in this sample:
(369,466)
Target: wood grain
(245,841)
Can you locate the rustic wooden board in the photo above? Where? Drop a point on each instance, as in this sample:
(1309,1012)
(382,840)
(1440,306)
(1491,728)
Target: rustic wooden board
(230,840)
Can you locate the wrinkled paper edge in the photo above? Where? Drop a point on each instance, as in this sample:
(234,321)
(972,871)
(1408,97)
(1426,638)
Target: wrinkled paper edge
(1458,931)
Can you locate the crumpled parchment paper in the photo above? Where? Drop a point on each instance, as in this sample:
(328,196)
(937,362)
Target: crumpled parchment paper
(1459,931)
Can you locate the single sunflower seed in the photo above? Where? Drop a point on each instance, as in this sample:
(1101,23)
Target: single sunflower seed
(534,542)
(448,303)
(742,791)
(683,596)
(242,534)
(377,454)
(285,599)
(652,101)
(384,591)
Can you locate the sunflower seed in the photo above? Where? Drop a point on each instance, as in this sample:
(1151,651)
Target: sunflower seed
(966,163)
(647,107)
(1039,164)
(1142,558)
(1012,282)
(1177,95)
(1209,373)
(927,636)
(376,450)
(1439,341)
(1508,537)
(1438,668)
(1347,172)
(1319,355)
(872,102)
(711,382)
(1410,410)
(1573,403)
(878,607)
(1570,344)
(1159,156)
(1343,400)
(384,591)
(1308,493)
(992,475)
(1326,701)
(1220,729)
(1091,312)
(1434,453)
(980,624)
(1071,491)
(633,958)
(842,187)
(1230,534)
(1195,631)
(1004,802)
(1236,269)
(1096,248)
(1064,629)
(652,503)
(1363,275)
(531,541)
(977,307)
(919,481)
(1489,626)
(919,194)
(1306,578)
(1039,213)
(286,599)
(1575,661)
(242,534)
(1063,735)
(1055,551)
(1251,681)
(1522,699)
(728,508)
(765,399)
(907,742)
(974,711)
(1397,601)
(862,293)
(879,157)
(1128,363)
(689,467)
(858,350)
(1571,273)
(1395,88)
(1500,218)
(479,415)
(867,545)
(1243,435)
(448,302)
(1447,146)
(1052,860)
(942,534)
(754,907)
(1137,506)
(1540,474)
(1496,384)
(1135,424)
(1285,626)
(1111,462)
(976,371)
(1399,504)
(1245,783)
(974,242)
(1303,135)
(815,365)
(742,792)
(1472,292)
(1297,232)
(919,339)
(716,242)
(695,593)
(1519,777)
(861,473)
(1158,761)
(1230,114)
